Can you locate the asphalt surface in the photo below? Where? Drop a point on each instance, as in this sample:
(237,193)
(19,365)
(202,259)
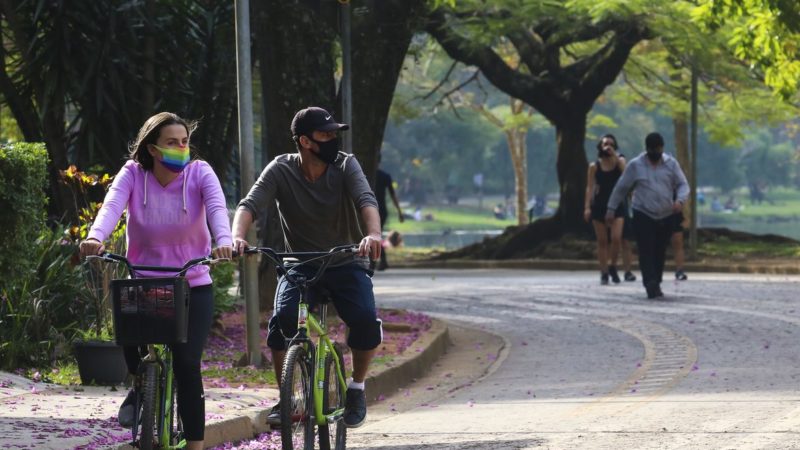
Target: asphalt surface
(713,365)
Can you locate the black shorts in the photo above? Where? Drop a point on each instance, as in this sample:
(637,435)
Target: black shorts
(350,288)
(677,222)
(599,212)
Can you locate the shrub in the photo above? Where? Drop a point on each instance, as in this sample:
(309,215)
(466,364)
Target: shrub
(40,314)
(23,178)
(222,274)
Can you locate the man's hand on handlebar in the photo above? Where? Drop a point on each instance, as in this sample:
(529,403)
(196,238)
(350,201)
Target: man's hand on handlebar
(239,246)
(370,246)
(91,247)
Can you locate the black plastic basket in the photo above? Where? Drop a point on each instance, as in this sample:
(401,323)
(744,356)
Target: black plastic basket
(150,310)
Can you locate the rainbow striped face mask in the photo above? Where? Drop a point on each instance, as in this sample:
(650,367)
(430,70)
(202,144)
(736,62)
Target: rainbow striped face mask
(174,158)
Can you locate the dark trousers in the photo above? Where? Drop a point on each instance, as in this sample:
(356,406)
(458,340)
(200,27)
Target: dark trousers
(186,362)
(383,214)
(652,238)
(350,288)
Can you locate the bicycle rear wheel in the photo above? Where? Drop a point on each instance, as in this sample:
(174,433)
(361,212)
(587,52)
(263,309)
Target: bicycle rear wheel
(332,436)
(149,406)
(297,428)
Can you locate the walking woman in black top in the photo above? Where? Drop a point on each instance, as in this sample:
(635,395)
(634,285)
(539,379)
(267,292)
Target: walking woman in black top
(603,175)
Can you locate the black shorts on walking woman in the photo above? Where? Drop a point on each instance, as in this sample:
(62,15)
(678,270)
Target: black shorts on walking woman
(599,212)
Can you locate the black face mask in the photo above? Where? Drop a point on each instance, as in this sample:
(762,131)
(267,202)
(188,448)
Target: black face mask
(603,153)
(328,150)
(654,155)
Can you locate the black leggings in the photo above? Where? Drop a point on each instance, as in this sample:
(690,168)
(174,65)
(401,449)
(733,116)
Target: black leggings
(186,362)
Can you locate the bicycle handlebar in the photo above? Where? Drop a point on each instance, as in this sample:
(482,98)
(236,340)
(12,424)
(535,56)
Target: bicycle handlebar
(277,259)
(180,271)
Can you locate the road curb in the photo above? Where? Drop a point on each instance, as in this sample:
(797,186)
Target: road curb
(417,359)
(565,264)
(420,357)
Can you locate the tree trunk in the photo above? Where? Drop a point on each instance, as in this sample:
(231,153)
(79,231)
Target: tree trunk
(296,68)
(571,166)
(681,128)
(516,146)
(381,33)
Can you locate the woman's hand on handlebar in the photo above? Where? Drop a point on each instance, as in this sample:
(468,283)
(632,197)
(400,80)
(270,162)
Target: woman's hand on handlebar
(223,252)
(91,247)
(370,246)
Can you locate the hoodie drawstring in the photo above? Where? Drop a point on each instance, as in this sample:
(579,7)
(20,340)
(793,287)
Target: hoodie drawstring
(185,211)
(184,191)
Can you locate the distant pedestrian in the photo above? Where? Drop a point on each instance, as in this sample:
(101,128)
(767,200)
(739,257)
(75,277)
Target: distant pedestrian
(600,180)
(678,221)
(383,184)
(655,178)
(628,236)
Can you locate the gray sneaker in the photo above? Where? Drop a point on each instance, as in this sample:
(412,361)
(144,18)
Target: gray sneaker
(127,410)
(274,416)
(355,408)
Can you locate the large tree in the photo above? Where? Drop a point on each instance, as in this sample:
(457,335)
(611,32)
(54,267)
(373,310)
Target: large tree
(568,59)
(298,54)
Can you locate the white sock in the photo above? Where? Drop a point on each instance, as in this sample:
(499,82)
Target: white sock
(353,385)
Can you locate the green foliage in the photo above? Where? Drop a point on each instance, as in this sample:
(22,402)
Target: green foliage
(106,64)
(42,312)
(599,124)
(9,131)
(222,275)
(83,186)
(765,33)
(23,177)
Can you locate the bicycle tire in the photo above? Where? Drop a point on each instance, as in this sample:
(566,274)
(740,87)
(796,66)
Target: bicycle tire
(175,422)
(297,427)
(332,436)
(148,435)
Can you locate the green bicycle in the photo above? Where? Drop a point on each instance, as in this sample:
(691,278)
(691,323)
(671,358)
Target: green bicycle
(313,386)
(153,313)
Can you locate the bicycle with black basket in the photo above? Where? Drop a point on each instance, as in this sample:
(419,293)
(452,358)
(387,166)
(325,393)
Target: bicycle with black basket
(313,384)
(153,312)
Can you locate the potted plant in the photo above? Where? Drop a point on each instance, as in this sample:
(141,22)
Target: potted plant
(100,360)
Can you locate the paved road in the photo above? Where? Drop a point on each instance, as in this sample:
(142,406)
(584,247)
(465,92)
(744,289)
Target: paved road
(714,365)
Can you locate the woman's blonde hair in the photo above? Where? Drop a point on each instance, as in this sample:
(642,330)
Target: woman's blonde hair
(149,133)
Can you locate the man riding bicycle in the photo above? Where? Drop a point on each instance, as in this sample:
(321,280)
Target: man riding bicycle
(319,191)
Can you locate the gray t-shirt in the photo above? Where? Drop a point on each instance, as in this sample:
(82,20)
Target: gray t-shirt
(655,188)
(315,216)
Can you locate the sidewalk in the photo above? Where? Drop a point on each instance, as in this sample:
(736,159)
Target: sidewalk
(45,416)
(785,266)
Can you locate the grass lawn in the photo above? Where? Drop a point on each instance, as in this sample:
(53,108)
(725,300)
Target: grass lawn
(781,202)
(448,218)
(727,249)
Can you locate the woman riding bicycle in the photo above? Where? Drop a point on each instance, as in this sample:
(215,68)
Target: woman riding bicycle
(172,201)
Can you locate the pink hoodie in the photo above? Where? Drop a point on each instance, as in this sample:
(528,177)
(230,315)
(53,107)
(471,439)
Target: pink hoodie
(167,226)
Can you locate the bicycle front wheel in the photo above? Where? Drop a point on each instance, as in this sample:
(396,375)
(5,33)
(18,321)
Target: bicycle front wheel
(149,406)
(297,427)
(333,435)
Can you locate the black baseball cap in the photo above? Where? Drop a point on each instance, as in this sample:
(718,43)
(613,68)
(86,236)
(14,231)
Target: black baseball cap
(313,119)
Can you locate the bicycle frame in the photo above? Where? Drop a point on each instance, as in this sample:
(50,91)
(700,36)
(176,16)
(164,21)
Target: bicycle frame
(324,347)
